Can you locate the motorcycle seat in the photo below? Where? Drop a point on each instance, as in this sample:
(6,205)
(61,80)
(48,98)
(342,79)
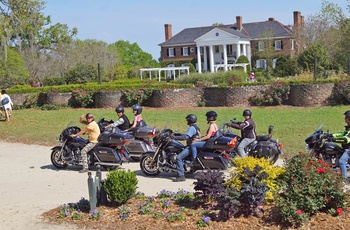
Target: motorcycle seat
(262,137)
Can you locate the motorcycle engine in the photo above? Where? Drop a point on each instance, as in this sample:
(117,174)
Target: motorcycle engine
(171,158)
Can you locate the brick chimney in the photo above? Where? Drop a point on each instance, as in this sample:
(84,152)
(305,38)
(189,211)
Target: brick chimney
(168,31)
(297,20)
(271,19)
(239,22)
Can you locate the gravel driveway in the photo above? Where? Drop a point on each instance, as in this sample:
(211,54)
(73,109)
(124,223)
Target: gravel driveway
(30,185)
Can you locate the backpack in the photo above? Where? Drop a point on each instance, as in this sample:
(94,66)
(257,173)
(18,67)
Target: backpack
(5,101)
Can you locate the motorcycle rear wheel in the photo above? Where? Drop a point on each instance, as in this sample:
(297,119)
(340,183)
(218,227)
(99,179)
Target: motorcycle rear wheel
(146,167)
(56,159)
(272,158)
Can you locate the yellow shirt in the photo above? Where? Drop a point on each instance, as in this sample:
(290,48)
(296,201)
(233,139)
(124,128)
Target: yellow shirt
(93,131)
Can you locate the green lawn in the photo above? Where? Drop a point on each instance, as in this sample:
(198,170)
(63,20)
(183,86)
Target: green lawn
(292,124)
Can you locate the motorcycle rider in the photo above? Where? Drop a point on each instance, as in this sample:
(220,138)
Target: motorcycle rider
(248,134)
(344,139)
(212,129)
(123,122)
(138,121)
(93,131)
(192,132)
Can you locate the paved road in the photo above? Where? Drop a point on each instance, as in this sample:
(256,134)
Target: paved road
(30,185)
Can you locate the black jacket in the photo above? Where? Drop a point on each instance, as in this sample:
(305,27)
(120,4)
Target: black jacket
(247,128)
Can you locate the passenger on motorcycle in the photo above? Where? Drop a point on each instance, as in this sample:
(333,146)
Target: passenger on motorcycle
(123,122)
(93,131)
(248,133)
(344,139)
(138,121)
(211,131)
(192,132)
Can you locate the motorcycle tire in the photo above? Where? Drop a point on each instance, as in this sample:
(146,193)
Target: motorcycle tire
(146,167)
(272,158)
(56,159)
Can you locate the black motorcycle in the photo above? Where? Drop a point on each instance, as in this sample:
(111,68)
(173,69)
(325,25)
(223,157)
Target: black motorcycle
(214,155)
(108,152)
(318,146)
(263,146)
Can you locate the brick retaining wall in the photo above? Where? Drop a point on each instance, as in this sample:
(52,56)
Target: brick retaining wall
(307,95)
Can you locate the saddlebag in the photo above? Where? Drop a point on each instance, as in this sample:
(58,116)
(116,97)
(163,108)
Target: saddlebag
(105,154)
(266,149)
(115,139)
(219,143)
(145,132)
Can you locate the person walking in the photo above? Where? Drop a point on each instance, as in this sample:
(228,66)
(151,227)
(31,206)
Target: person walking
(93,131)
(7,104)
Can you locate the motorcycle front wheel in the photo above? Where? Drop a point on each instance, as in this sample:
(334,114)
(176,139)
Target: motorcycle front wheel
(56,159)
(148,166)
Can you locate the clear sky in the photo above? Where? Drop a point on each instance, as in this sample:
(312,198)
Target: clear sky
(142,21)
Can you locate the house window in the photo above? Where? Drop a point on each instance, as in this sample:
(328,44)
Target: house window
(185,51)
(171,52)
(278,45)
(261,46)
(293,44)
(261,64)
(170,73)
(216,48)
(183,65)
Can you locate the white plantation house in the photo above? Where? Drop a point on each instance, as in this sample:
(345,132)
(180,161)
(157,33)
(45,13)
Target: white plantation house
(210,48)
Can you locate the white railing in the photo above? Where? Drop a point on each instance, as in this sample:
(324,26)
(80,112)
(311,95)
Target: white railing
(169,69)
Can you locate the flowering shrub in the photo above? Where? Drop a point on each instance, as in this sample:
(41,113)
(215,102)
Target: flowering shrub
(82,98)
(204,221)
(137,96)
(241,163)
(308,186)
(275,94)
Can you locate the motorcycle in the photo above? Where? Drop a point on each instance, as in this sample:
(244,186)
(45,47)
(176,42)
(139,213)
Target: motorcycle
(108,152)
(214,155)
(318,146)
(142,140)
(263,146)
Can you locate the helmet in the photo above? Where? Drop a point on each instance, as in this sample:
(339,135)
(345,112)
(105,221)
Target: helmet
(347,113)
(211,115)
(247,112)
(191,118)
(119,109)
(137,108)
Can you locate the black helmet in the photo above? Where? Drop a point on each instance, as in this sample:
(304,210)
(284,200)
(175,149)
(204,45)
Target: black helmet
(347,113)
(137,108)
(211,115)
(119,109)
(247,112)
(191,118)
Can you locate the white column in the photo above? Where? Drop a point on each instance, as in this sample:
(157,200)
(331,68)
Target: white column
(244,50)
(211,58)
(205,65)
(238,51)
(225,57)
(199,61)
(249,56)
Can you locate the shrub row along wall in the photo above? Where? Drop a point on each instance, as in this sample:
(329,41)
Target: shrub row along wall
(300,95)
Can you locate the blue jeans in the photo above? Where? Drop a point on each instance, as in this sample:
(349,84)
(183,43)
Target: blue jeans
(179,161)
(196,145)
(343,160)
(244,143)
